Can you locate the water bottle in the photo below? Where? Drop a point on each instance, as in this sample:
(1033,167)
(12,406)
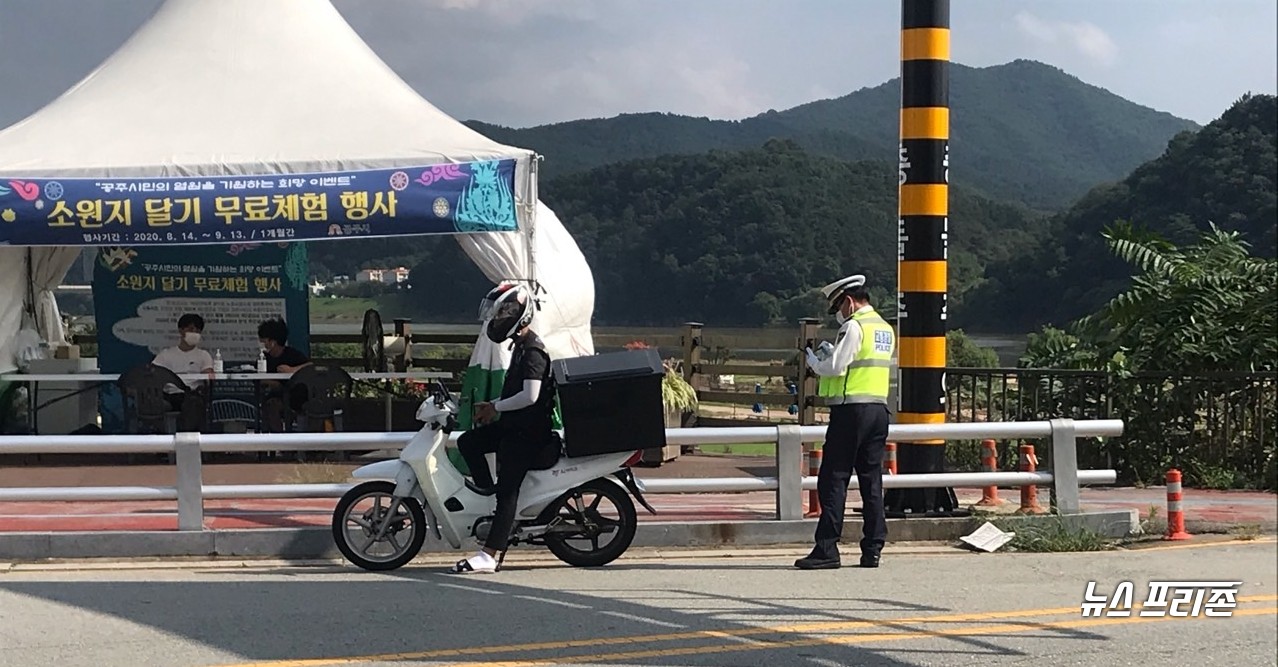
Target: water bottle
(217,363)
(261,361)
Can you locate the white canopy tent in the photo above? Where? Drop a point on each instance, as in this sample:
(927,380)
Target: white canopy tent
(246,87)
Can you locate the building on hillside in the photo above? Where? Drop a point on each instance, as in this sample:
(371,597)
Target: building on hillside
(393,276)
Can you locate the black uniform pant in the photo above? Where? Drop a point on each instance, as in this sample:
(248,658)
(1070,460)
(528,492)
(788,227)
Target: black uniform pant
(518,451)
(855,440)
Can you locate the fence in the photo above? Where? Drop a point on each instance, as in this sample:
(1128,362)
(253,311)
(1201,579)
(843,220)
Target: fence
(1219,428)
(789,483)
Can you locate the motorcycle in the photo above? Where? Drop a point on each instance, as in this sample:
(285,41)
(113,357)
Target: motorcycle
(381,524)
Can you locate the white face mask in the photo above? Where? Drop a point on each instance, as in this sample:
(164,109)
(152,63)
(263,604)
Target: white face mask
(191,338)
(841,318)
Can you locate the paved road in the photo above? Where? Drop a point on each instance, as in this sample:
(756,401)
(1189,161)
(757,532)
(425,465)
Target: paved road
(921,608)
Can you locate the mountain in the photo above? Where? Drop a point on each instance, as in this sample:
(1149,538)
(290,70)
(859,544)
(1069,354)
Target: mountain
(744,238)
(1023,132)
(1226,173)
(729,238)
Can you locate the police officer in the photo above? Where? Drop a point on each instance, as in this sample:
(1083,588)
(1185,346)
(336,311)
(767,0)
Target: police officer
(523,438)
(854,381)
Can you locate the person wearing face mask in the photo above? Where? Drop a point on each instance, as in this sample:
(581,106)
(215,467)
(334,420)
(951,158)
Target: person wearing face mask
(185,358)
(272,336)
(854,381)
(524,437)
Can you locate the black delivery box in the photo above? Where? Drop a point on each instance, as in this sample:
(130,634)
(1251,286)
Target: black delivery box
(611,403)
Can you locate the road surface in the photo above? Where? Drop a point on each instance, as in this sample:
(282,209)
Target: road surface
(923,607)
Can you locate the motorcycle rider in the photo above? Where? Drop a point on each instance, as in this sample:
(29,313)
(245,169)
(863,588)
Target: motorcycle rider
(524,437)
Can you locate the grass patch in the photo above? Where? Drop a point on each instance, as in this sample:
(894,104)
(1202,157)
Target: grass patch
(341,308)
(1050,534)
(1247,531)
(739,450)
(316,473)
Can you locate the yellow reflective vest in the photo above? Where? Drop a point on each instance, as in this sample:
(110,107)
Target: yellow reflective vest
(868,377)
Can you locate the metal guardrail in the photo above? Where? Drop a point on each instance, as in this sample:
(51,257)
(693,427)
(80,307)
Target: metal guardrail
(789,483)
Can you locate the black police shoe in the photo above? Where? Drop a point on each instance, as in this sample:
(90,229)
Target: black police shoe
(869,560)
(818,563)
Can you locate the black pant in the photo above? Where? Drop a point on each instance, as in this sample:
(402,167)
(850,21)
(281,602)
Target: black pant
(855,439)
(518,451)
(191,407)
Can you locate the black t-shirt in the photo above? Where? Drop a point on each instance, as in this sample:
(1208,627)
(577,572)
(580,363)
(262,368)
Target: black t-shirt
(529,361)
(288,357)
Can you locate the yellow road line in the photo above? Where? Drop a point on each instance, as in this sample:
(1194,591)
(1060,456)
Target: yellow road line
(799,628)
(1006,628)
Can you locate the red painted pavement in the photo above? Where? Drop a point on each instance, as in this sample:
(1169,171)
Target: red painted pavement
(1231,507)
(1200,505)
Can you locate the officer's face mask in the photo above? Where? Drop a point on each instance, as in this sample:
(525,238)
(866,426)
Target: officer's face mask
(839,316)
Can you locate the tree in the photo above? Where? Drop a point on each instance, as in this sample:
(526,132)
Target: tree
(1190,316)
(1208,307)
(962,352)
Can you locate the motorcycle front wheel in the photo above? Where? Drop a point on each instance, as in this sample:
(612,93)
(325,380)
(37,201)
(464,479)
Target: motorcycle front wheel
(578,522)
(359,518)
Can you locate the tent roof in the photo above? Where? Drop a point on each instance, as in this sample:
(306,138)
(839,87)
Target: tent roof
(231,87)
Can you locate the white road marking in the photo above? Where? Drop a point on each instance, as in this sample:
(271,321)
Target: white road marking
(643,619)
(475,589)
(558,602)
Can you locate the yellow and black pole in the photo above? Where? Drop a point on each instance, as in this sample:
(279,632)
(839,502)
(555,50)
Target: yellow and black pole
(923,226)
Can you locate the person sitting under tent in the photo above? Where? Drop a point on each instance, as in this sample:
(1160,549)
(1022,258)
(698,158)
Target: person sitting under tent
(272,335)
(187,357)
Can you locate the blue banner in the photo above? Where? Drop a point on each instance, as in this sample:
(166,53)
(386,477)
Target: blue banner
(438,199)
(139,294)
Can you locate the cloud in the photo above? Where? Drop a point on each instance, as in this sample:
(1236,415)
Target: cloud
(667,72)
(1084,37)
(515,12)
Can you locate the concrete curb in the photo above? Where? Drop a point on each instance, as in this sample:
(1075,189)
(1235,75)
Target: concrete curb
(317,543)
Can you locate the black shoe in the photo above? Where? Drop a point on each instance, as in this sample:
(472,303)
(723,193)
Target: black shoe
(818,563)
(485,491)
(869,560)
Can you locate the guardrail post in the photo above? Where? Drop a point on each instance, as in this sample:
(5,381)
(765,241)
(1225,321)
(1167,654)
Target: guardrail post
(789,472)
(806,391)
(1065,466)
(691,344)
(190,481)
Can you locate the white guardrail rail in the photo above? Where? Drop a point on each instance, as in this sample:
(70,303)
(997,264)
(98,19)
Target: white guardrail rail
(190,492)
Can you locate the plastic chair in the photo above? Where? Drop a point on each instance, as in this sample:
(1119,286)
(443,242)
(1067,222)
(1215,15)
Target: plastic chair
(146,405)
(327,391)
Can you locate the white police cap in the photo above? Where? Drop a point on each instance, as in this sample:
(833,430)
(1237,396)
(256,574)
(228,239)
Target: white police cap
(835,289)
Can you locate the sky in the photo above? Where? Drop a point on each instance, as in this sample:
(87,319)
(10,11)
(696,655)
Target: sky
(530,62)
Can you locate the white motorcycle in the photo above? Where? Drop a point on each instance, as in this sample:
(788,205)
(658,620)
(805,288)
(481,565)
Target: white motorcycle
(381,524)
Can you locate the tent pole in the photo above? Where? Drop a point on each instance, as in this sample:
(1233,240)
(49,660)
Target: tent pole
(530,239)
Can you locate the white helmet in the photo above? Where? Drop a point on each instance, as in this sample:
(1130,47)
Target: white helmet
(834,291)
(507,308)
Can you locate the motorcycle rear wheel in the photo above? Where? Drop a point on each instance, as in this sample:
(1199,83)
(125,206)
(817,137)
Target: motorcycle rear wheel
(350,523)
(579,516)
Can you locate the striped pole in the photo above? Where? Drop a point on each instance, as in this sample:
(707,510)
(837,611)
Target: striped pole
(890,458)
(1029,492)
(814,469)
(923,224)
(1175,513)
(989,463)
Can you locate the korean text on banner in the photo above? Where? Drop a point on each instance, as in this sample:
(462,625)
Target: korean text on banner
(438,199)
